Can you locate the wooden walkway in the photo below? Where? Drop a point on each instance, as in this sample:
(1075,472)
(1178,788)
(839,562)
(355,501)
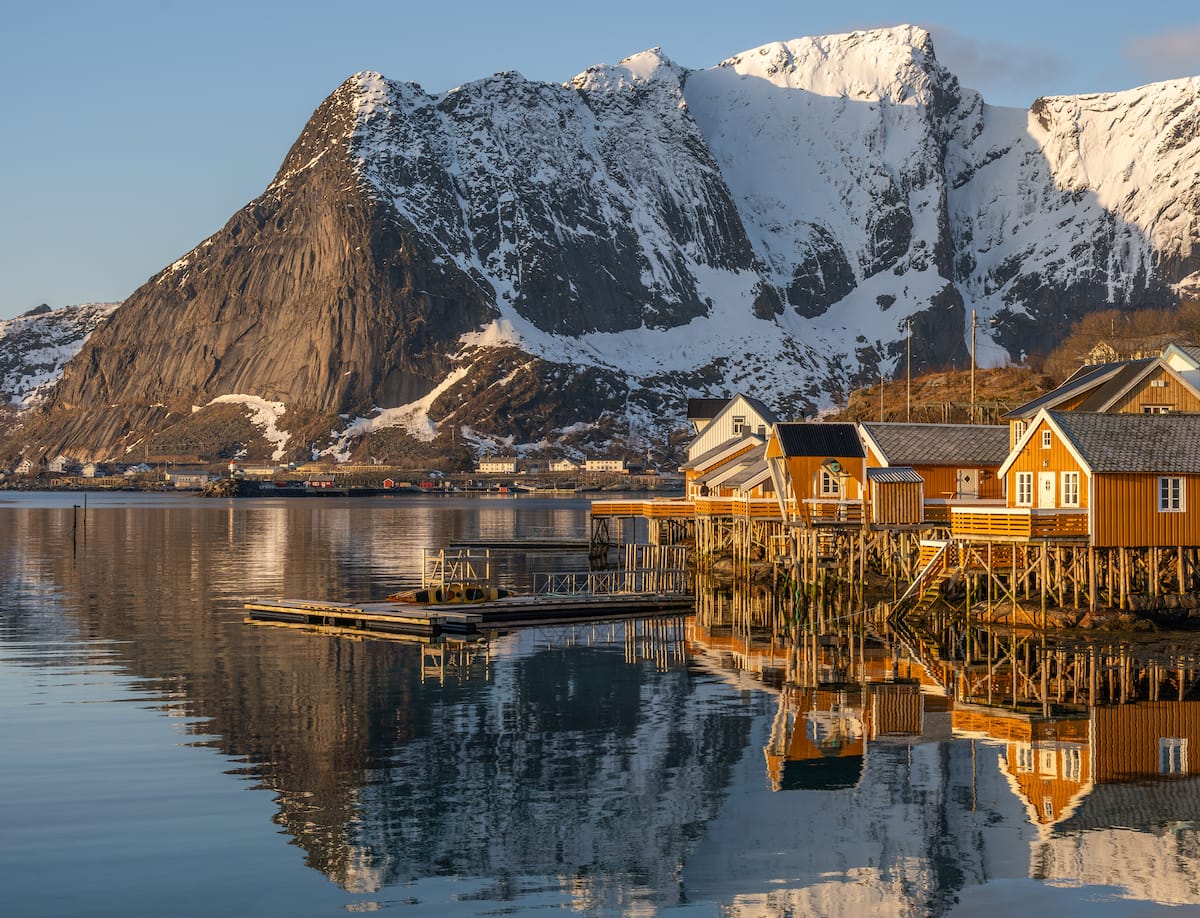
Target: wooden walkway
(464,621)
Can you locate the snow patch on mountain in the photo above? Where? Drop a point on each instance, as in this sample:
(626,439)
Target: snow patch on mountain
(264,415)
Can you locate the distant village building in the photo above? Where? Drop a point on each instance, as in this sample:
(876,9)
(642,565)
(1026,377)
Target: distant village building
(498,465)
(564,465)
(62,465)
(140,469)
(605,465)
(25,467)
(188,479)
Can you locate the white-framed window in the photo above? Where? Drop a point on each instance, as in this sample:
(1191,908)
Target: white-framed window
(1157,409)
(1024,757)
(1048,807)
(1048,763)
(1070,489)
(1047,439)
(1170,494)
(1158,384)
(1024,489)
(831,485)
(739,423)
(1072,764)
(1172,755)
(1019,429)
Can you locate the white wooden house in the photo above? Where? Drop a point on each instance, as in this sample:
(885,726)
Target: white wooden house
(741,416)
(498,465)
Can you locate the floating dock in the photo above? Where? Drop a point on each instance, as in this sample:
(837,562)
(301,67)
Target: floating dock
(463,621)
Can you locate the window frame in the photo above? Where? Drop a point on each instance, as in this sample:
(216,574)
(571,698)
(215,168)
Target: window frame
(1047,439)
(1023,487)
(1069,494)
(1171,494)
(829,485)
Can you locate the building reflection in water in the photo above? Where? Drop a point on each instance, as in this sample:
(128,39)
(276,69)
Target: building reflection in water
(1089,744)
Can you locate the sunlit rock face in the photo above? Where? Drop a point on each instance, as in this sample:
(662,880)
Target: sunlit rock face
(644,233)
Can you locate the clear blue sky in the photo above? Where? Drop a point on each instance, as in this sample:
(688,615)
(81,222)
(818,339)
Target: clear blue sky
(130,130)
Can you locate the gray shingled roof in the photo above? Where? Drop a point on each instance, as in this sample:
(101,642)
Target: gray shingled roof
(801,438)
(940,444)
(1167,443)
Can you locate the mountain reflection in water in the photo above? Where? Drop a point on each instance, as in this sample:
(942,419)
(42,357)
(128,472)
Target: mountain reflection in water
(730,762)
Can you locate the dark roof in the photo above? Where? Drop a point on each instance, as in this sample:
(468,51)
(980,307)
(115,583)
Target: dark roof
(940,444)
(799,438)
(705,409)
(1076,384)
(1166,443)
(1113,387)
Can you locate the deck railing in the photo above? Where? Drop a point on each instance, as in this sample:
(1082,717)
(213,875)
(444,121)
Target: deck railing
(1017,523)
(831,510)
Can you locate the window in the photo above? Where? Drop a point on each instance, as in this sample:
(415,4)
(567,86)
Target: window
(830,485)
(1172,755)
(1024,489)
(1048,762)
(1156,409)
(1024,757)
(1170,494)
(1070,489)
(739,423)
(1158,384)
(1072,764)
(1048,807)
(1018,430)
(1046,439)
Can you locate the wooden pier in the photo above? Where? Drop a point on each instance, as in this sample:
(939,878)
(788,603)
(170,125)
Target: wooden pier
(652,582)
(464,621)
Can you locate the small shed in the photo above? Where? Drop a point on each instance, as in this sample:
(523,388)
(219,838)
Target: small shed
(897,496)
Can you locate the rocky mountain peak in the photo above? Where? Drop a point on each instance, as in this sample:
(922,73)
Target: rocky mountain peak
(511,259)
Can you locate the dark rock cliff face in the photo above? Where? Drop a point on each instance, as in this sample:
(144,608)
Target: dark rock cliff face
(314,295)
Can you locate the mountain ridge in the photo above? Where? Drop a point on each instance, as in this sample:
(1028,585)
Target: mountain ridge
(506,261)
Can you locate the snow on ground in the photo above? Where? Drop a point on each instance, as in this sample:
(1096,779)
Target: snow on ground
(263,414)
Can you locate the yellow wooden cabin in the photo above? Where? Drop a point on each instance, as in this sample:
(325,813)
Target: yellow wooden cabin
(1119,480)
(819,472)
(1155,385)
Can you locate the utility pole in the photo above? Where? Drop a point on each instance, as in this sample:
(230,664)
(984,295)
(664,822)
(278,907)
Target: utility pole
(972,366)
(880,398)
(908,374)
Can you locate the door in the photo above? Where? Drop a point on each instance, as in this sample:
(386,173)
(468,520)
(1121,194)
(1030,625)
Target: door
(1045,495)
(966,484)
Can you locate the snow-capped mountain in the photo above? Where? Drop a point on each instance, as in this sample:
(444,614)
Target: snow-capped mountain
(35,347)
(508,259)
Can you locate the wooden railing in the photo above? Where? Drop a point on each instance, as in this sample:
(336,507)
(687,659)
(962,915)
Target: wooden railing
(1006,523)
(757,507)
(829,510)
(662,509)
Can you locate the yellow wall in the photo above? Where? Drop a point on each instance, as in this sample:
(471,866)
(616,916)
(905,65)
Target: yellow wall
(1173,393)
(1057,459)
(1126,512)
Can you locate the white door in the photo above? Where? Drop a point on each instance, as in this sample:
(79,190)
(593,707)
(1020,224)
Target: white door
(1045,495)
(966,484)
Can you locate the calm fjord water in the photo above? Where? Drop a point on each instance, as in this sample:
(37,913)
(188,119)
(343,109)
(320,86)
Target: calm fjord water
(160,757)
